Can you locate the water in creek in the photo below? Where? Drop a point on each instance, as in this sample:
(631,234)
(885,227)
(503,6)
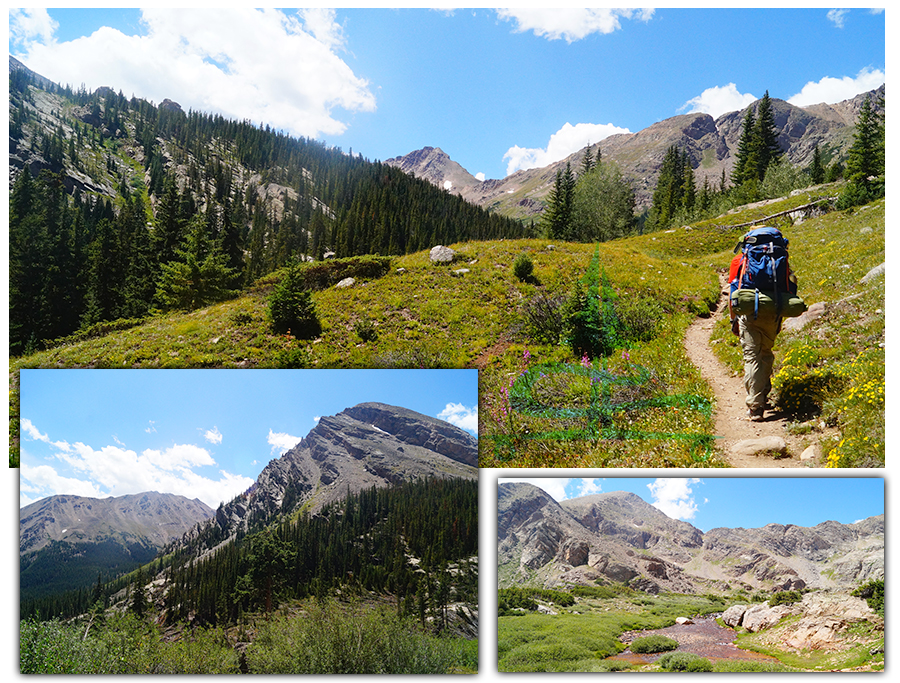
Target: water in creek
(704,637)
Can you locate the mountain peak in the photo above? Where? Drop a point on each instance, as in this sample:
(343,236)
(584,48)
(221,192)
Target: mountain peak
(369,444)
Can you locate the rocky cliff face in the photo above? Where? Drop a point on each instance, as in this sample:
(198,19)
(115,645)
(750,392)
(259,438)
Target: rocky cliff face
(618,537)
(371,444)
(710,143)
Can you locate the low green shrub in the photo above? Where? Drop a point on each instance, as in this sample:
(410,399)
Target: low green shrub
(873,593)
(653,643)
(785,598)
(684,661)
(348,639)
(523,268)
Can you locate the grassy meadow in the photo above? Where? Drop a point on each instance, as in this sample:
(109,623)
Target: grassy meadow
(580,636)
(543,403)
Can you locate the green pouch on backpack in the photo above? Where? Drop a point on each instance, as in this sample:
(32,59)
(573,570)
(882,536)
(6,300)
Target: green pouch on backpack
(745,302)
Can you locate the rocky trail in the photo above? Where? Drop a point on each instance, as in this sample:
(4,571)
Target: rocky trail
(743,443)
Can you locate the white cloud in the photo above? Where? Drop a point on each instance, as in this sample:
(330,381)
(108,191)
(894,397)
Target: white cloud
(673,497)
(836,16)
(150,429)
(116,471)
(35,481)
(553,487)
(263,65)
(29,25)
(830,90)
(589,487)
(461,416)
(213,435)
(480,176)
(27,428)
(719,100)
(570,23)
(567,140)
(179,456)
(281,442)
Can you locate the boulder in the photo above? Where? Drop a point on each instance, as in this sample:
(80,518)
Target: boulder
(684,621)
(872,274)
(764,445)
(734,615)
(817,310)
(441,254)
(346,282)
(758,617)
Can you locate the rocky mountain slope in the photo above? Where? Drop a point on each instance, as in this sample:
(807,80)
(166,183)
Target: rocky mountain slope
(370,444)
(617,537)
(66,541)
(150,518)
(710,143)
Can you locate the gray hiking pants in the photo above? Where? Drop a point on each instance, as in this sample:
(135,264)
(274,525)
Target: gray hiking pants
(757,339)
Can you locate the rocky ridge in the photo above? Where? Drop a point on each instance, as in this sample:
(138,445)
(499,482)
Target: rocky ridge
(710,143)
(617,537)
(370,444)
(151,518)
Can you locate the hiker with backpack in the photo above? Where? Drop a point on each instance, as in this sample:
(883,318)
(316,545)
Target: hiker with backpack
(763,293)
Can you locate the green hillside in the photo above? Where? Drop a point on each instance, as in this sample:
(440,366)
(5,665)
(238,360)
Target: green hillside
(546,401)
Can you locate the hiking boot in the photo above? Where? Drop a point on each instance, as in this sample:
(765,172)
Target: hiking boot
(755,414)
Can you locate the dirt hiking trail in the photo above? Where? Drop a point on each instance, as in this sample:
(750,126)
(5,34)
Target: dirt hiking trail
(731,424)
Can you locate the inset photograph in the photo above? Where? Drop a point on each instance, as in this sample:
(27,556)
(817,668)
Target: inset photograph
(227,521)
(719,574)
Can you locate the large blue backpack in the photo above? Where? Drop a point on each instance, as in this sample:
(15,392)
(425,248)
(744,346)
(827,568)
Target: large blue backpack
(763,267)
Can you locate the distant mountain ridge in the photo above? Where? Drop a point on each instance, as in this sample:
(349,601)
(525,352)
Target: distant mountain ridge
(711,144)
(618,537)
(66,541)
(150,518)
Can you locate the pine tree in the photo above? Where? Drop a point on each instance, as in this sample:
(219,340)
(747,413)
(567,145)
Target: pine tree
(816,169)
(745,156)
(198,276)
(557,217)
(766,137)
(865,158)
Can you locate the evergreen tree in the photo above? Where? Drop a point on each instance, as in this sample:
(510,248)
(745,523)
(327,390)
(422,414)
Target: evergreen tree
(26,248)
(557,217)
(816,168)
(587,162)
(200,276)
(745,157)
(865,159)
(768,151)
(138,595)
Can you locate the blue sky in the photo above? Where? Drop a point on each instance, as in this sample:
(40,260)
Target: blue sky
(497,90)
(199,433)
(732,502)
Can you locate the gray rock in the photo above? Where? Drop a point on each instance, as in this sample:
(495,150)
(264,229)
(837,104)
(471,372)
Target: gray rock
(459,272)
(817,310)
(734,615)
(872,274)
(764,445)
(346,282)
(441,254)
(758,617)
(811,453)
